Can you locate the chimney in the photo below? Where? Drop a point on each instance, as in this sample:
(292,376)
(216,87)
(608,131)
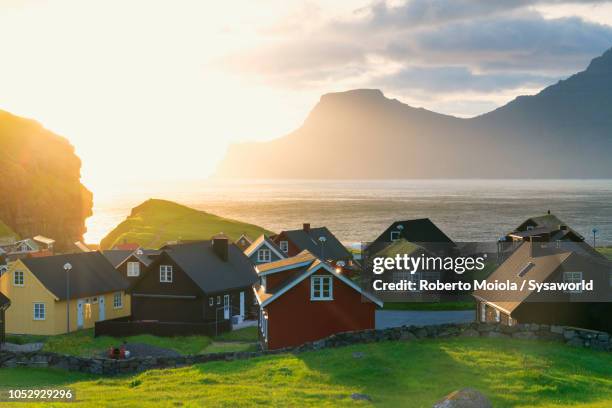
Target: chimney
(306,227)
(220,245)
(548,212)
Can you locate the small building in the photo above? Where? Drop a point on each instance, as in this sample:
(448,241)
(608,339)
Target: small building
(303,299)
(544,228)
(41,290)
(202,281)
(4,304)
(421,230)
(549,263)
(44,243)
(264,250)
(243,242)
(318,241)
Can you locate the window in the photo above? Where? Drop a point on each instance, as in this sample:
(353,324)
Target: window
(497,316)
(133,269)
(321,288)
(117,300)
(165,273)
(218,300)
(483,312)
(264,255)
(18,278)
(211,301)
(284,246)
(39,311)
(529,227)
(95,300)
(395,235)
(572,277)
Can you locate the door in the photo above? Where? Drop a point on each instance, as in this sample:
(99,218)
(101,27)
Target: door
(226,307)
(101,309)
(80,314)
(242,305)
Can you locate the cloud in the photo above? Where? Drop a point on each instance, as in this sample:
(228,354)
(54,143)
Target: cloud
(439,46)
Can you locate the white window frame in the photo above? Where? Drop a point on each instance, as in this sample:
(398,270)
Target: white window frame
(497,316)
(573,275)
(263,282)
(133,269)
(261,257)
(218,300)
(211,301)
(22,274)
(284,246)
(41,307)
(166,273)
(395,235)
(320,279)
(117,300)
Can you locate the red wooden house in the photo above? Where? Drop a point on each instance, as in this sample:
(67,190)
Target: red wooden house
(303,299)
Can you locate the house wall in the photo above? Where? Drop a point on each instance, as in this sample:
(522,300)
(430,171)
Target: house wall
(275,279)
(20,316)
(254,256)
(294,319)
(123,270)
(293,250)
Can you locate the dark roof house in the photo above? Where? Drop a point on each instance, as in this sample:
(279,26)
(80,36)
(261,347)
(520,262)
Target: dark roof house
(264,250)
(319,241)
(536,262)
(421,230)
(546,227)
(90,274)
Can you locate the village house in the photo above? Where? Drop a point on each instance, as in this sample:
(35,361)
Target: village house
(303,299)
(4,304)
(543,228)
(57,294)
(421,230)
(264,250)
(243,242)
(550,263)
(318,241)
(204,281)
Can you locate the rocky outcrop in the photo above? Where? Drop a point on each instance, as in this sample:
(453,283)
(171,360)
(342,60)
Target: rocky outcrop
(40,183)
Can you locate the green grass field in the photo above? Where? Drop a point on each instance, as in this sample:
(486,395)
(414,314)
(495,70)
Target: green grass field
(511,373)
(607,251)
(155,222)
(83,343)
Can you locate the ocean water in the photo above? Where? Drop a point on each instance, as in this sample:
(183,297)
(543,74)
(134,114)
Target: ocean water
(466,210)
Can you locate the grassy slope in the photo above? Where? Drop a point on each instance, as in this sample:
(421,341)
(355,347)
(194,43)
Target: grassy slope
(511,373)
(156,222)
(607,251)
(6,231)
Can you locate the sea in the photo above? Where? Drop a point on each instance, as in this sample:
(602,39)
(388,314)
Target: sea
(358,211)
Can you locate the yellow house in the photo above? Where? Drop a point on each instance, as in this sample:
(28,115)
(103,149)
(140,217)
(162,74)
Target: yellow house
(56,294)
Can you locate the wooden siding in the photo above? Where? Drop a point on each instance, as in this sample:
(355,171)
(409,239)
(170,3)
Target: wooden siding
(294,319)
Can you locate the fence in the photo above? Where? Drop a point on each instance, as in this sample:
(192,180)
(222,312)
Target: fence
(124,327)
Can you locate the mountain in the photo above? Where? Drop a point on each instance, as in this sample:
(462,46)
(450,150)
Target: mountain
(155,222)
(40,183)
(565,131)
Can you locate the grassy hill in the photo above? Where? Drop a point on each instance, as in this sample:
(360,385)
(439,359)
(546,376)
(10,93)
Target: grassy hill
(155,222)
(511,373)
(6,231)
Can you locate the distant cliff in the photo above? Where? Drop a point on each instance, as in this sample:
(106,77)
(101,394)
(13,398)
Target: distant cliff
(40,186)
(565,131)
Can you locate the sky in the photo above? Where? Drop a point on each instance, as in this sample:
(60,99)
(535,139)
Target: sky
(157,90)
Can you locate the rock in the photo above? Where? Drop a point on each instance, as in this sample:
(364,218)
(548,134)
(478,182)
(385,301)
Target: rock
(497,334)
(525,335)
(569,334)
(407,336)
(557,329)
(464,398)
(358,354)
(360,397)
(469,333)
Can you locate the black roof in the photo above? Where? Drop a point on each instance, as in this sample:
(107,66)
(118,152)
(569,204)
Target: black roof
(116,256)
(4,301)
(420,230)
(91,274)
(309,240)
(208,270)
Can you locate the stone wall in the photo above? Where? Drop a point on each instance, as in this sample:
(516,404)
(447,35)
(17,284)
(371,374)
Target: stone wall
(104,366)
